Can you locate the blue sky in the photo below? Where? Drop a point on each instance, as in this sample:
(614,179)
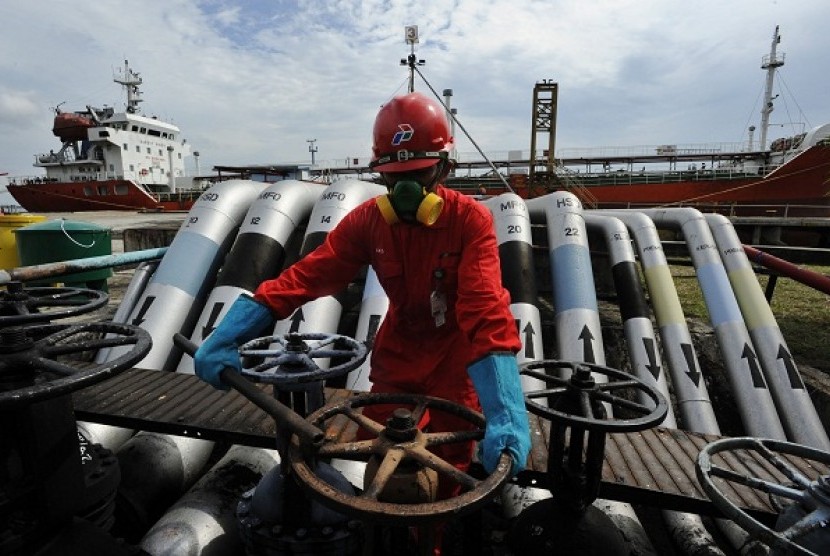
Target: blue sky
(250,82)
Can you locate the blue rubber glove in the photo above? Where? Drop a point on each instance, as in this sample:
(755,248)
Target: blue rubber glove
(245,320)
(496,379)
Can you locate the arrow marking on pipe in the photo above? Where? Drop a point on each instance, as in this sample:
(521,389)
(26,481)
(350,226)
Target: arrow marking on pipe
(789,365)
(587,345)
(296,319)
(651,351)
(139,318)
(529,333)
(214,315)
(754,370)
(693,372)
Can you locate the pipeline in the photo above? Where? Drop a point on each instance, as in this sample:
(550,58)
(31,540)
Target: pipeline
(692,398)
(795,407)
(336,201)
(518,276)
(373,308)
(258,253)
(745,373)
(639,333)
(109,436)
(203,521)
(693,402)
(815,280)
(171,302)
(686,529)
(513,234)
(49,270)
(271,219)
(578,328)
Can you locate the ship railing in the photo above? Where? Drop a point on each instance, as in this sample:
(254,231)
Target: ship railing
(731,209)
(27,180)
(182,195)
(624,177)
(647,150)
(568,178)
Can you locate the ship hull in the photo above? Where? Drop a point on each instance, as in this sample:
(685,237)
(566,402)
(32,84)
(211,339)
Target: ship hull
(38,196)
(802,181)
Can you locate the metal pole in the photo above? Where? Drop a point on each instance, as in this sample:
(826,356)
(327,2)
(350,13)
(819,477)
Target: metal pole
(48,270)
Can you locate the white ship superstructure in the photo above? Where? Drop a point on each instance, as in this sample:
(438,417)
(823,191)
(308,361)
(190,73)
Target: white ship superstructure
(102,145)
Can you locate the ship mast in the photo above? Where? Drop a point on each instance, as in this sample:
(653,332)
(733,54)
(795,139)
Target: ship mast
(411,38)
(131,81)
(771,62)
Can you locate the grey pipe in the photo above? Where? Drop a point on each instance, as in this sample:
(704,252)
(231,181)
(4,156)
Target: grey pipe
(578,328)
(686,529)
(795,407)
(60,268)
(744,372)
(693,402)
(513,234)
(203,521)
(108,436)
(336,201)
(171,302)
(642,344)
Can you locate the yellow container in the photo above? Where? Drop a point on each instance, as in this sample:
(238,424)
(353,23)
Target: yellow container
(9,257)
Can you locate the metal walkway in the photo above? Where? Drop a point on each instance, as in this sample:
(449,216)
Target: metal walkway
(655,467)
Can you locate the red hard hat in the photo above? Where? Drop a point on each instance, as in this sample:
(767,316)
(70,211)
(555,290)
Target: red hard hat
(411,132)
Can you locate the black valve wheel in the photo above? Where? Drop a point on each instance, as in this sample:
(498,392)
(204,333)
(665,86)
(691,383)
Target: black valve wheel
(292,359)
(19,305)
(34,370)
(810,498)
(619,392)
(394,451)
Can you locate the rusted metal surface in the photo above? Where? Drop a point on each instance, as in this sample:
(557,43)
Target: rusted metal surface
(653,467)
(391,446)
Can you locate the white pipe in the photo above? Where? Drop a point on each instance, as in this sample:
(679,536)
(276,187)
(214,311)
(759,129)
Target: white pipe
(795,407)
(746,377)
(258,253)
(203,521)
(171,302)
(336,201)
(693,402)
(513,234)
(578,328)
(373,310)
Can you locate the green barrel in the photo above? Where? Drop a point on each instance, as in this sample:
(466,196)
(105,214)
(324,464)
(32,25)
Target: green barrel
(64,240)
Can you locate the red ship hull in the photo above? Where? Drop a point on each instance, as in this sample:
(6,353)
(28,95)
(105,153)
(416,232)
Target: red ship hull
(805,180)
(40,196)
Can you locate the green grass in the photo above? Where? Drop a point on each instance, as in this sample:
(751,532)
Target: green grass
(802,313)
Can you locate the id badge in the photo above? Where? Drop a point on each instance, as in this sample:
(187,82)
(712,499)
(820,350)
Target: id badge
(438,305)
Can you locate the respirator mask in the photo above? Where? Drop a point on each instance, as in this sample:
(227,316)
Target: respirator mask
(410,201)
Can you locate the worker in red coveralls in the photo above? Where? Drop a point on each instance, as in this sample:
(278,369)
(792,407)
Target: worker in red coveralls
(448,331)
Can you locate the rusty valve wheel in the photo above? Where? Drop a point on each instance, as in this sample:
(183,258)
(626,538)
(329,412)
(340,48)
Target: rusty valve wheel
(395,450)
(585,394)
(294,360)
(32,371)
(810,499)
(19,305)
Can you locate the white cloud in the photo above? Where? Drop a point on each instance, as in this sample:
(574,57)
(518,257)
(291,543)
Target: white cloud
(250,82)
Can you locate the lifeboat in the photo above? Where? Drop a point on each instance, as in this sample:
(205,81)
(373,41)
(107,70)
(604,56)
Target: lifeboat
(71,127)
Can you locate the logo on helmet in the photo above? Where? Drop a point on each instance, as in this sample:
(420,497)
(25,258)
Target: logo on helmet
(405,134)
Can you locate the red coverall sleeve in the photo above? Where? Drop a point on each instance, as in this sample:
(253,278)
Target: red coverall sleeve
(325,271)
(483,306)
